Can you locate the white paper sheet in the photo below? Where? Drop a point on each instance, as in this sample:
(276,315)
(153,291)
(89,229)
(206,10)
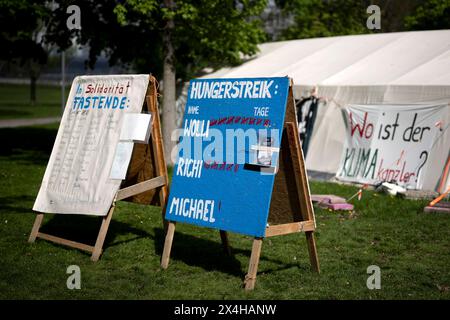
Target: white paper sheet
(136,127)
(122,158)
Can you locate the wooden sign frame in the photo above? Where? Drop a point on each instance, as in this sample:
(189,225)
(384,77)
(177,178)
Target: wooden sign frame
(291,209)
(147,181)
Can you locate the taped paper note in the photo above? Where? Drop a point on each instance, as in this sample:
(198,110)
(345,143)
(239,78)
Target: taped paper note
(121,160)
(136,127)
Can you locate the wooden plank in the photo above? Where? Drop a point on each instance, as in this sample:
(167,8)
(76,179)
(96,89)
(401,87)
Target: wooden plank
(141,187)
(302,188)
(158,147)
(142,168)
(225,242)
(65,242)
(287,204)
(250,278)
(288,228)
(144,164)
(36,226)
(312,249)
(304,194)
(168,245)
(98,249)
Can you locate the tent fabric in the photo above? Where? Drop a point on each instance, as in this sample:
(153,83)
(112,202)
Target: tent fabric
(407,58)
(391,68)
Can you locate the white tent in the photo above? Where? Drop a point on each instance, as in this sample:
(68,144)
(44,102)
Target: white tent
(393,69)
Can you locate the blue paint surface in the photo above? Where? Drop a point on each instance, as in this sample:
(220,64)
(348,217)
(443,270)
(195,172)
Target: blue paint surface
(223,184)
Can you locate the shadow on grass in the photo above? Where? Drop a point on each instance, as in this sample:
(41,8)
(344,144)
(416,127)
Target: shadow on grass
(191,250)
(7,204)
(30,144)
(194,251)
(210,256)
(84,229)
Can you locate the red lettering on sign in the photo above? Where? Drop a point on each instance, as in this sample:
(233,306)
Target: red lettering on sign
(366,130)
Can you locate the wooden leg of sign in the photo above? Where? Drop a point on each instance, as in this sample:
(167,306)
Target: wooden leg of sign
(36,226)
(102,235)
(168,245)
(163,215)
(158,147)
(225,242)
(250,278)
(302,184)
(313,257)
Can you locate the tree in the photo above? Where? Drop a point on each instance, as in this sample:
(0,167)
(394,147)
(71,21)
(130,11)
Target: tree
(325,18)
(21,29)
(174,39)
(194,35)
(431,15)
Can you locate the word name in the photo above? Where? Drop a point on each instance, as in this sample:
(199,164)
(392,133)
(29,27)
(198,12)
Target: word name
(198,209)
(196,128)
(189,168)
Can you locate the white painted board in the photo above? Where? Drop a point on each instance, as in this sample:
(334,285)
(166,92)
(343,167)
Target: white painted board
(77,178)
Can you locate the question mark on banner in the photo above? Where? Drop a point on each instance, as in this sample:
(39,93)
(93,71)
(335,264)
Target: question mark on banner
(422,164)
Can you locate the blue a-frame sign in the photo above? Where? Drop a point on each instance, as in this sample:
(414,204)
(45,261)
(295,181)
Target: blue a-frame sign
(216,180)
(240,165)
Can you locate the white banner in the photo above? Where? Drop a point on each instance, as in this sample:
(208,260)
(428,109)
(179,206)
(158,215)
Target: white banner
(77,179)
(390,143)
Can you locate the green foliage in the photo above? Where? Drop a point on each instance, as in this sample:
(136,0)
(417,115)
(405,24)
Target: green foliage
(21,41)
(100,30)
(324,18)
(207,33)
(20,23)
(431,15)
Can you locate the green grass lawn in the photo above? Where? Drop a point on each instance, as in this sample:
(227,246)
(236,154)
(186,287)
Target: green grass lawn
(15,102)
(411,248)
